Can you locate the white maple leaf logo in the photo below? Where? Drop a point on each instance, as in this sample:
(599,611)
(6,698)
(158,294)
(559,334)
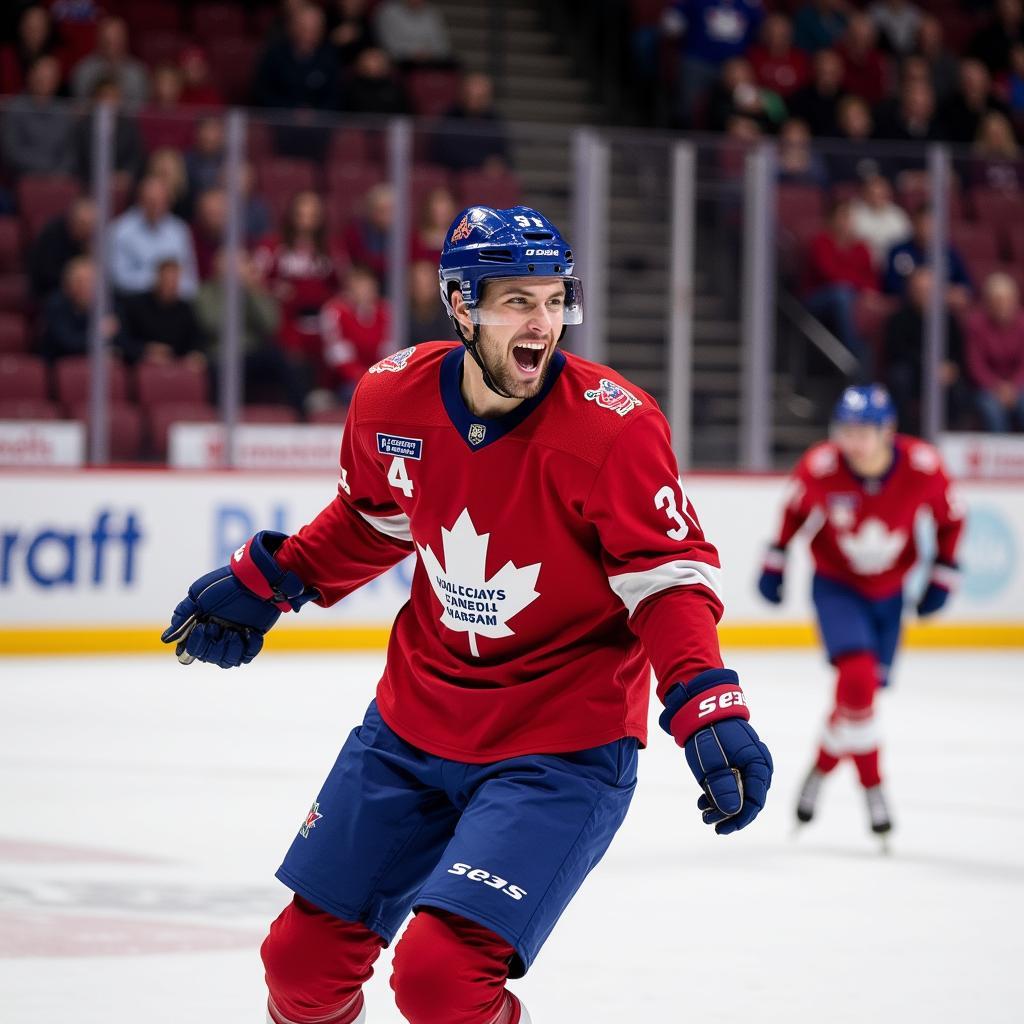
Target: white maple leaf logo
(473,604)
(873,548)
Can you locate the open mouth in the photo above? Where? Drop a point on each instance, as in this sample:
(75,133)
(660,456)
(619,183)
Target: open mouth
(528,355)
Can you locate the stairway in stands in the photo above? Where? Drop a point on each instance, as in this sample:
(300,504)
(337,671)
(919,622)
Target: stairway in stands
(537,84)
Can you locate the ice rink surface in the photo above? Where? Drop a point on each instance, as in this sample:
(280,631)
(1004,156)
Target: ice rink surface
(145,807)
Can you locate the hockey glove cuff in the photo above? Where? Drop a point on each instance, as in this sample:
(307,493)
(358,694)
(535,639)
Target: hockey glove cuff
(708,718)
(943,581)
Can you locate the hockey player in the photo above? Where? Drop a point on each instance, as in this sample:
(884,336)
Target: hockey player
(863,491)
(558,559)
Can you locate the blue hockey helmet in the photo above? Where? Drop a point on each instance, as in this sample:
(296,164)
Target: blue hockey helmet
(484,243)
(868,403)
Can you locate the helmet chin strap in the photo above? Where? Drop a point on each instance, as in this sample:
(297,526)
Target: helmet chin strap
(471,348)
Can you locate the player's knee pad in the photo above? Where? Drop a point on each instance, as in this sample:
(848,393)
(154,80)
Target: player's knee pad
(858,681)
(316,963)
(449,970)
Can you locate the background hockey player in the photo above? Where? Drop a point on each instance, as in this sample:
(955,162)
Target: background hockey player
(863,490)
(558,559)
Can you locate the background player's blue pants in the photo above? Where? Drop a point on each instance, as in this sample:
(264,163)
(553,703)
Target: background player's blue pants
(851,622)
(505,844)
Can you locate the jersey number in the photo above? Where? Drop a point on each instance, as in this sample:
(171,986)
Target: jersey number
(666,499)
(398,477)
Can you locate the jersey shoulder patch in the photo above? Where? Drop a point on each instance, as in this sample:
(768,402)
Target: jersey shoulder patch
(822,460)
(923,457)
(394,363)
(403,384)
(615,397)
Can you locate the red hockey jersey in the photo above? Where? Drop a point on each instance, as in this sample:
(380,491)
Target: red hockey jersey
(558,556)
(864,529)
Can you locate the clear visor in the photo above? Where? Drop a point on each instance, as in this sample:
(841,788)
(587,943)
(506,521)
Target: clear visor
(513,307)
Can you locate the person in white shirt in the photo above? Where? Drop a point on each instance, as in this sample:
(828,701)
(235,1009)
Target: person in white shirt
(877,221)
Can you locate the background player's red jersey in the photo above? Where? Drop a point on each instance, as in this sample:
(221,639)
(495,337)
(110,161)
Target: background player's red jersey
(558,556)
(864,529)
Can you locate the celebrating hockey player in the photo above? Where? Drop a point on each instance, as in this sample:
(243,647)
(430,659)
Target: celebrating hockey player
(863,490)
(558,559)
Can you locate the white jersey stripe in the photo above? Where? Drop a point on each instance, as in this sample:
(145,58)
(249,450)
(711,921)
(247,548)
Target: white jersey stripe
(634,587)
(395,527)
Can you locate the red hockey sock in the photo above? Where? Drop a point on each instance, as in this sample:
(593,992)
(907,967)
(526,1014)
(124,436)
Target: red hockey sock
(316,965)
(826,761)
(449,970)
(867,768)
(857,683)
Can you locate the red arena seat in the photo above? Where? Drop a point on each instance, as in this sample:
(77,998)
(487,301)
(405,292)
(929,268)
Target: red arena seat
(161,417)
(73,374)
(125,424)
(13,333)
(28,409)
(22,376)
(43,197)
(159,383)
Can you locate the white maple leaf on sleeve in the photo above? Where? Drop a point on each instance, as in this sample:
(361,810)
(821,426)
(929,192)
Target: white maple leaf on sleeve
(473,604)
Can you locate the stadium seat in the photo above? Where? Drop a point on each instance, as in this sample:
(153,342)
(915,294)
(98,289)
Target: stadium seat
(125,429)
(151,16)
(279,178)
(269,414)
(160,47)
(158,383)
(432,92)
(870,313)
(14,292)
(22,376)
(232,64)
(347,185)
(423,179)
(10,244)
(28,409)
(159,419)
(349,145)
(43,197)
(500,190)
(797,204)
(72,374)
(13,333)
(212,21)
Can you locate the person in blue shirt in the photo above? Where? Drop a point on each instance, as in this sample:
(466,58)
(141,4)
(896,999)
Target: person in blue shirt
(710,32)
(905,258)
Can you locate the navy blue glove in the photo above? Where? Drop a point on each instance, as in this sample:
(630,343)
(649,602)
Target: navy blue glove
(226,612)
(708,718)
(770,583)
(943,579)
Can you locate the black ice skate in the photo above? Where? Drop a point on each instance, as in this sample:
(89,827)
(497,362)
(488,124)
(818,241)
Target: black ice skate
(808,798)
(878,811)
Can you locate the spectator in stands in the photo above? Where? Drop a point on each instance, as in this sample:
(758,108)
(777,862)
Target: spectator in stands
(837,270)
(898,23)
(817,102)
(204,162)
(144,236)
(799,163)
(209,225)
(413,32)
(904,259)
(942,64)
(995,355)
(438,213)
(349,30)
(37,130)
(300,72)
(368,236)
(129,151)
(297,269)
(472,135)
(992,43)
(64,238)
(819,24)
(996,162)
(865,69)
(356,328)
(67,314)
(163,121)
(737,94)
(912,118)
(255,212)
(877,221)
(35,38)
(1013,83)
(710,32)
(198,89)
(963,112)
(75,22)
(373,87)
(160,324)
(111,59)
(169,165)
(904,361)
(851,159)
(427,318)
(778,65)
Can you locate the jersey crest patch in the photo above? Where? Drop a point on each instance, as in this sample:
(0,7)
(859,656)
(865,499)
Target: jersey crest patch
(609,395)
(477,433)
(394,362)
(311,819)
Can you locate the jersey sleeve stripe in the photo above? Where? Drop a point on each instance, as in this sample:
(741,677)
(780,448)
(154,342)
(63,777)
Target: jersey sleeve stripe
(634,587)
(395,527)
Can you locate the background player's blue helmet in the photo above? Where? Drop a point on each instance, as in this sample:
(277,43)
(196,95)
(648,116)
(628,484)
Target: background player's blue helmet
(869,403)
(484,243)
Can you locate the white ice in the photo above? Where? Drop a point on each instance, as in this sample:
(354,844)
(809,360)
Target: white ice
(146,805)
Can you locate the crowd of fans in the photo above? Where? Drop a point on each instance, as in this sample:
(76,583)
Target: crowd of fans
(317,211)
(844,88)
